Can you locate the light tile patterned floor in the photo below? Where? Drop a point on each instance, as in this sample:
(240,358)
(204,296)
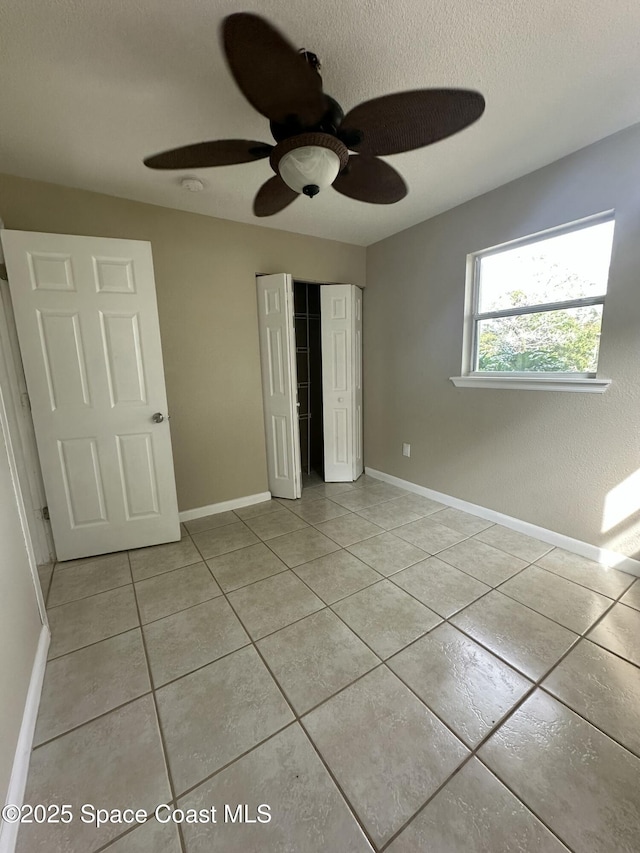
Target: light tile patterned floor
(384,672)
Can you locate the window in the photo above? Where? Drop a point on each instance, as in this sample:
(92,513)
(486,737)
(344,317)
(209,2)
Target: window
(536,308)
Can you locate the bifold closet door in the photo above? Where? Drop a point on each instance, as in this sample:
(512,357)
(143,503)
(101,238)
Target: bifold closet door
(341,312)
(279,384)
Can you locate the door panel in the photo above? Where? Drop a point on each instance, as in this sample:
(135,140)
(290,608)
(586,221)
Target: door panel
(342,381)
(87,321)
(82,478)
(138,475)
(123,358)
(337,381)
(341,436)
(63,358)
(358,456)
(277,351)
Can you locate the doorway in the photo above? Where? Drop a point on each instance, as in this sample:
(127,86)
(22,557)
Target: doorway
(308,340)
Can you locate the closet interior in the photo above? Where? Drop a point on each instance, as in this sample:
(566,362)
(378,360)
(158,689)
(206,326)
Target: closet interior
(308,333)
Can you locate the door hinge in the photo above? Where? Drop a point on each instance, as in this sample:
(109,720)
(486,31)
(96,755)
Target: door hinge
(45,513)
(26,402)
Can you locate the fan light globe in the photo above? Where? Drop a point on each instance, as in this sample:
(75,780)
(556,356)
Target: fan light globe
(311,166)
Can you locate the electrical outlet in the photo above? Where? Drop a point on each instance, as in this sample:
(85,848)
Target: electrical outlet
(406,449)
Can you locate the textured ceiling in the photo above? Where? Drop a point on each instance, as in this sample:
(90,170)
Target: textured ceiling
(90,87)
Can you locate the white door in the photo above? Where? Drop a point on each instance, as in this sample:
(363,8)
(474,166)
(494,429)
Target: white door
(341,319)
(358,456)
(87,321)
(279,384)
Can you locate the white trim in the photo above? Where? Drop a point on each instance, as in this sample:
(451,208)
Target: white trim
(540,308)
(546,233)
(559,540)
(533,383)
(224,506)
(472,314)
(20,424)
(22,511)
(18,781)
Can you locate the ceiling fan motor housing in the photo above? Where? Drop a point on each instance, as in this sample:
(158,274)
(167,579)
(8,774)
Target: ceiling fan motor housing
(292,126)
(309,162)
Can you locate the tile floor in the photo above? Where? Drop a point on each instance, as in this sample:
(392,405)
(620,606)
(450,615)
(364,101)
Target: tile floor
(384,672)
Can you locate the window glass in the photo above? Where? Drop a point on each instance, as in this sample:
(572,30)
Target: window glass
(567,266)
(549,294)
(564,341)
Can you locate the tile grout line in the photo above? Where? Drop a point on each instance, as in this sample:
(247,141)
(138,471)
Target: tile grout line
(474,753)
(383,577)
(422,702)
(497,588)
(298,720)
(188,791)
(151,688)
(386,577)
(166,571)
(466,537)
(163,743)
(529,692)
(561,701)
(391,577)
(329,606)
(140,623)
(174,801)
(536,564)
(534,685)
(92,719)
(84,597)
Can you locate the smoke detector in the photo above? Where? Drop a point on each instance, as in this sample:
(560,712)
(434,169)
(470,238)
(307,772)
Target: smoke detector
(192,185)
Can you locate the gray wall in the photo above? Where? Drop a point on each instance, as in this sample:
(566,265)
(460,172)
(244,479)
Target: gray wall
(549,458)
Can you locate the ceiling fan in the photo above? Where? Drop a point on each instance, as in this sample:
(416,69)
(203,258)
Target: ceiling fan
(313,135)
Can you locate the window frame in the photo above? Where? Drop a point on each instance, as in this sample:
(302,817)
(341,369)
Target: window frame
(541,380)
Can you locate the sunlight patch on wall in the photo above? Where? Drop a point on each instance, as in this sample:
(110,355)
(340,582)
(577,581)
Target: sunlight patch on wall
(622,502)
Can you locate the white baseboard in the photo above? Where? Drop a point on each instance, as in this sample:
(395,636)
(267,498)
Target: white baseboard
(223,506)
(584,549)
(18,781)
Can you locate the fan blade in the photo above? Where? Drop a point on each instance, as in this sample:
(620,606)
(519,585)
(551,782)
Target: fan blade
(407,120)
(272,197)
(372,180)
(222,152)
(271,74)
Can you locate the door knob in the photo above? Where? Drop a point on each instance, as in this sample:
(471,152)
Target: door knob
(157,418)
(341,399)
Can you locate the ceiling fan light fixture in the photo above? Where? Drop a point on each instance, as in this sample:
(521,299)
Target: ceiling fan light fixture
(309,166)
(309,162)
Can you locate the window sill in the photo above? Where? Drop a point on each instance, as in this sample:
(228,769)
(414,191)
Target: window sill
(533,383)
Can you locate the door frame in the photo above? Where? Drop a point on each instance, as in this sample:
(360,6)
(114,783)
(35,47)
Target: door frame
(13,443)
(21,434)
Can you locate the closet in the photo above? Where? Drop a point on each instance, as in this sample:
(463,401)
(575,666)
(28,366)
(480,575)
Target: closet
(311,362)
(308,343)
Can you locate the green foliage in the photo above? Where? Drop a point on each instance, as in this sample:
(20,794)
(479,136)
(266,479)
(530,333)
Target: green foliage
(551,341)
